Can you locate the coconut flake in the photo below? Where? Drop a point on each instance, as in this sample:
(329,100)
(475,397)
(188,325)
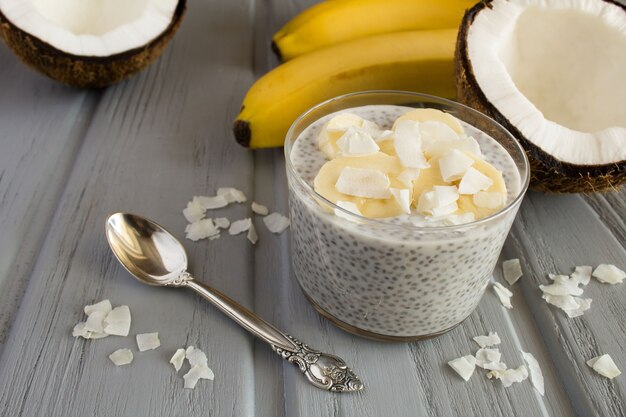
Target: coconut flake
(562,285)
(259,209)
(604,365)
(464,366)
(488,358)
(197,373)
(194,211)
(276,222)
(210,203)
(489,340)
(609,274)
(454,164)
(195,356)
(407,176)
(512,270)
(148,341)
(343,121)
(178,359)
(433,132)
(488,200)
(240,226)
(94,322)
(536,376)
(509,376)
(504,294)
(80,331)
(357,142)
(252,235)
(221,223)
(408,144)
(455,219)
(474,181)
(117,322)
(403,198)
(572,306)
(349,206)
(232,195)
(582,274)
(441,201)
(121,357)
(363,182)
(103,306)
(201,230)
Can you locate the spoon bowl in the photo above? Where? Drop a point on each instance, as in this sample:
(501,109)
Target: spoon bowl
(148,251)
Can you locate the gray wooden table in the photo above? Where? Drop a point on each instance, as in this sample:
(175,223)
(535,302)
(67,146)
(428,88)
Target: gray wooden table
(68,158)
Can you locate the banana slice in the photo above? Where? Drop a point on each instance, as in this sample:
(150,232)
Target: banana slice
(328,175)
(432,115)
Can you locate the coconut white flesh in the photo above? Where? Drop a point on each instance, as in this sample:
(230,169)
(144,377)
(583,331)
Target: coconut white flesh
(512,270)
(260,209)
(572,306)
(536,376)
(464,366)
(148,341)
(240,226)
(197,373)
(491,339)
(178,358)
(194,211)
(232,195)
(582,274)
(252,235)
(276,222)
(201,230)
(91,28)
(555,70)
(103,306)
(605,366)
(121,357)
(488,358)
(195,356)
(209,203)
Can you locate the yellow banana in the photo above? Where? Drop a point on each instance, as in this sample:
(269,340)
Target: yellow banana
(335,21)
(420,61)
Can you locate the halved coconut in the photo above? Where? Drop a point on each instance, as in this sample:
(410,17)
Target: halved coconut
(553,72)
(89,43)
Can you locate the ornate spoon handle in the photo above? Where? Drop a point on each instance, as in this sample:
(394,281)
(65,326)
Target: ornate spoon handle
(322,370)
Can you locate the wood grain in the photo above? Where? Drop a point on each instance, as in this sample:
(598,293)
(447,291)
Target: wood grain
(70,158)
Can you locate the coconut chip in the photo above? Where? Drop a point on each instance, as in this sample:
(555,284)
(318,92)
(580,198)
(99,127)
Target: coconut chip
(512,270)
(148,341)
(582,274)
(259,209)
(474,181)
(117,322)
(409,175)
(503,294)
(194,211)
(195,356)
(197,373)
(441,201)
(609,274)
(455,219)
(357,142)
(201,230)
(221,222)
(240,226)
(536,376)
(454,165)
(572,306)
(464,366)
(103,306)
(488,358)
(178,358)
(363,182)
(509,376)
(210,203)
(562,285)
(121,357)
(94,322)
(349,206)
(408,145)
(403,198)
(605,366)
(490,340)
(276,222)
(232,195)
(252,234)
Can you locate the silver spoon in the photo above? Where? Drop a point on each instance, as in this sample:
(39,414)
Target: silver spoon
(153,256)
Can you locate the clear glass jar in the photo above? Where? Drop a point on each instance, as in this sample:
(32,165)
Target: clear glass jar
(389,281)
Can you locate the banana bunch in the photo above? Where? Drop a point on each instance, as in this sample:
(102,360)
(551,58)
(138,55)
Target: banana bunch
(343,46)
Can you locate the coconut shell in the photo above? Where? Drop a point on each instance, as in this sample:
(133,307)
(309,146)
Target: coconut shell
(86,71)
(548,174)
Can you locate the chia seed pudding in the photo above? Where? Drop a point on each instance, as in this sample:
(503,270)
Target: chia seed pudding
(394,278)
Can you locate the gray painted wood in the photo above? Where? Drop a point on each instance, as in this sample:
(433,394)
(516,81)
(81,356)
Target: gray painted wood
(69,158)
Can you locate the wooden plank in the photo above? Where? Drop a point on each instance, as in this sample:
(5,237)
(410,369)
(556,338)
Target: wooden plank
(155,141)
(556,233)
(42,126)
